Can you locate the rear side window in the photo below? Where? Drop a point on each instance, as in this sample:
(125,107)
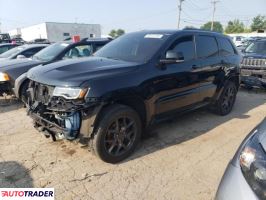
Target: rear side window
(226,47)
(206,47)
(184,45)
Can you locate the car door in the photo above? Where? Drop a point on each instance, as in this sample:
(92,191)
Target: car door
(210,65)
(177,85)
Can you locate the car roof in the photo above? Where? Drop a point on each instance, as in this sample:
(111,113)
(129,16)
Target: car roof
(8,44)
(27,46)
(84,40)
(186,30)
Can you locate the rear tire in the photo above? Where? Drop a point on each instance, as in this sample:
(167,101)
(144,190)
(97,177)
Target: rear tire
(225,103)
(117,134)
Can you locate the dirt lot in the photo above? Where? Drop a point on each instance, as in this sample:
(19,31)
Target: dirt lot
(184,159)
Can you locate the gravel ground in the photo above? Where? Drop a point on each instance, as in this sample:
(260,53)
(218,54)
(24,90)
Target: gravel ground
(183,159)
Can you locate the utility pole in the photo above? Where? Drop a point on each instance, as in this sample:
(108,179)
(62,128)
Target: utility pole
(213,11)
(179,14)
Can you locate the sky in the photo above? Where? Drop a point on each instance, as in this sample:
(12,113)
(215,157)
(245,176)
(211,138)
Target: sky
(130,15)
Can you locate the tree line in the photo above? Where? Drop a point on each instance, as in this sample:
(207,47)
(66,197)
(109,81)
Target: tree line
(236,26)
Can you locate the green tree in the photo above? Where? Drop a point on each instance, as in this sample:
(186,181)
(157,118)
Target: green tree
(120,32)
(235,27)
(217,26)
(258,22)
(116,33)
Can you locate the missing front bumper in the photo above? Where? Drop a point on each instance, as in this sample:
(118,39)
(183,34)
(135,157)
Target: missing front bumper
(83,128)
(253,78)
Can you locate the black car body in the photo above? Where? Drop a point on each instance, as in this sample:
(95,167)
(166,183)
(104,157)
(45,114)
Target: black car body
(24,51)
(132,82)
(55,52)
(253,66)
(7,46)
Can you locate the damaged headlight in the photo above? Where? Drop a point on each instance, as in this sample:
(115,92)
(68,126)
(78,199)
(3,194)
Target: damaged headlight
(253,163)
(70,93)
(4,76)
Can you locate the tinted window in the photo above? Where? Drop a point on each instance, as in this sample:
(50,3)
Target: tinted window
(134,47)
(206,46)
(4,49)
(31,52)
(50,52)
(256,47)
(184,45)
(79,51)
(226,47)
(12,52)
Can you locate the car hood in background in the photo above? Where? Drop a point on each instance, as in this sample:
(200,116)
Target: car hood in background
(74,72)
(254,55)
(7,65)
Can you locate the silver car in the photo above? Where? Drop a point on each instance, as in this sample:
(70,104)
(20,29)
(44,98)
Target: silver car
(245,176)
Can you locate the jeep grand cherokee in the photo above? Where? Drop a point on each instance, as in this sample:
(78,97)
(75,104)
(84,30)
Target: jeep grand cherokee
(129,84)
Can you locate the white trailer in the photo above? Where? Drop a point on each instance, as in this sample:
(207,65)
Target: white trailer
(55,31)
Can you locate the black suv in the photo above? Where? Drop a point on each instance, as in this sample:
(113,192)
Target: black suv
(253,66)
(132,82)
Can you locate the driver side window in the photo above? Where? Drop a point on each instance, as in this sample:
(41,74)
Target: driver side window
(185,46)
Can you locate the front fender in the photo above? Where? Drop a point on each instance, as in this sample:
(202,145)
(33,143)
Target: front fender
(18,82)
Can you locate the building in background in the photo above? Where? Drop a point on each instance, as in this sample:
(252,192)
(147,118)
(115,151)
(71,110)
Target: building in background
(56,31)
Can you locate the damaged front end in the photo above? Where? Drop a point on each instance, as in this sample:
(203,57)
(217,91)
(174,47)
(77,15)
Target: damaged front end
(59,116)
(253,72)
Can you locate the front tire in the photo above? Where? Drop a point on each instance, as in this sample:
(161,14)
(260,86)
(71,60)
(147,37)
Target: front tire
(225,103)
(117,134)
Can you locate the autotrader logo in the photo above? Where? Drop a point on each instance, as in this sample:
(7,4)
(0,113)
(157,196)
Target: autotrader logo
(27,193)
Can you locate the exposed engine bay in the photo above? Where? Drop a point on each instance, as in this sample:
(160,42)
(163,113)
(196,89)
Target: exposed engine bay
(58,117)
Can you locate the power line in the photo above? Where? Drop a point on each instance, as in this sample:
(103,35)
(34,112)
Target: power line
(179,14)
(214,2)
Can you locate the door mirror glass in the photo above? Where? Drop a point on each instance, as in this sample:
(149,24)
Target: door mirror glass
(172,57)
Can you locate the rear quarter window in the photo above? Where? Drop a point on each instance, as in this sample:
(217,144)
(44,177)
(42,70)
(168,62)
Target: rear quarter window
(226,47)
(206,46)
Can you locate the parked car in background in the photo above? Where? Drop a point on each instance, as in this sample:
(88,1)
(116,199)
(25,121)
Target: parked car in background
(238,40)
(18,40)
(135,80)
(7,46)
(55,52)
(245,176)
(24,51)
(5,38)
(253,66)
(248,41)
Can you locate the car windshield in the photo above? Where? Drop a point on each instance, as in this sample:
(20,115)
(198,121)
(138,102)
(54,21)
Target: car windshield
(256,47)
(133,47)
(12,52)
(50,52)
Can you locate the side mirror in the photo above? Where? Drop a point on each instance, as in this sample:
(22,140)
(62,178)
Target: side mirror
(21,57)
(172,57)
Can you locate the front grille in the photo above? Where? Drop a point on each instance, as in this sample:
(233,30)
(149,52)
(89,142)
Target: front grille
(41,93)
(250,62)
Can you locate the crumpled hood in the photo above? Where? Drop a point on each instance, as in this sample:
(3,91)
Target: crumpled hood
(7,65)
(74,72)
